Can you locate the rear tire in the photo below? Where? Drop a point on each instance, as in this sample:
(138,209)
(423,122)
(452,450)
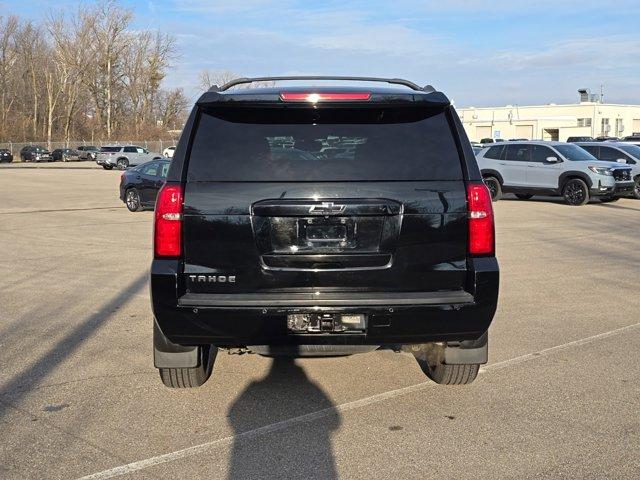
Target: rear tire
(191,377)
(132,200)
(576,192)
(495,189)
(523,196)
(107,167)
(636,188)
(122,163)
(449,374)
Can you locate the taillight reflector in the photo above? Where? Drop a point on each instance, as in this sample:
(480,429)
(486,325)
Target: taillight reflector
(481,222)
(168,221)
(324,97)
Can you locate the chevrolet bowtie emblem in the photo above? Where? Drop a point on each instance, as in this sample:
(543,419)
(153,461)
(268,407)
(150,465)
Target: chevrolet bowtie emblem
(327,208)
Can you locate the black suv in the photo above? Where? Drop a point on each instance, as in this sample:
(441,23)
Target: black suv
(35,153)
(318,221)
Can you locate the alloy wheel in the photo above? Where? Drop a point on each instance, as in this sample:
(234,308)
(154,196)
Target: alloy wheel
(574,193)
(132,200)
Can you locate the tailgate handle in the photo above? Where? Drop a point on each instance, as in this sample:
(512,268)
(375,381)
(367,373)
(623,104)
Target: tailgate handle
(327,208)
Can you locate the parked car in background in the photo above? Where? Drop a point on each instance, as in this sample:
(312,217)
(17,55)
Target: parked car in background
(606,139)
(168,152)
(35,153)
(5,156)
(139,185)
(619,152)
(580,139)
(633,139)
(124,156)
(88,152)
(65,155)
(552,168)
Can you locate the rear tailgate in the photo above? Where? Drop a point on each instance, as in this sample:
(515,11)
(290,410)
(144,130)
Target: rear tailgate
(324,200)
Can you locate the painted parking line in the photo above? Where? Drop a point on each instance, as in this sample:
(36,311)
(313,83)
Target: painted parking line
(327,412)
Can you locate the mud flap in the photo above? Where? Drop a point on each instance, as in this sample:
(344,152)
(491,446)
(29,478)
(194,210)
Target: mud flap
(466,352)
(167,354)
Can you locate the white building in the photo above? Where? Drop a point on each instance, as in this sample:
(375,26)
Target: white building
(590,117)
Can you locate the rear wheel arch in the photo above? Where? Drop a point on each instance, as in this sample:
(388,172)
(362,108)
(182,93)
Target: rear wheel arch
(492,173)
(122,163)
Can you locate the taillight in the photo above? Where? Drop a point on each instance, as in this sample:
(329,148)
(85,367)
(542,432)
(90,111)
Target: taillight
(324,97)
(168,222)
(481,224)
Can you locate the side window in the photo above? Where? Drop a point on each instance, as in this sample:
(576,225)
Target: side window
(151,169)
(592,149)
(540,153)
(164,169)
(130,150)
(609,154)
(518,153)
(494,152)
(140,150)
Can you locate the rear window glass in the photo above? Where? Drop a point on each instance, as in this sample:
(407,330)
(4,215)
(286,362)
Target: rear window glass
(262,144)
(110,149)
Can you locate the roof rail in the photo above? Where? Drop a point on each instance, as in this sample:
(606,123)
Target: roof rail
(396,81)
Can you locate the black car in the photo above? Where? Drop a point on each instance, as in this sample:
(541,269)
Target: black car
(307,255)
(579,139)
(65,155)
(88,152)
(5,156)
(35,153)
(139,185)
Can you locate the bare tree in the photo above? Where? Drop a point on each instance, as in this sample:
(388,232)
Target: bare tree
(8,59)
(208,78)
(86,74)
(107,23)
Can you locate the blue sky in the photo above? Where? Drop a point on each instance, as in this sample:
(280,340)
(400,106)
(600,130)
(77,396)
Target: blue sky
(480,53)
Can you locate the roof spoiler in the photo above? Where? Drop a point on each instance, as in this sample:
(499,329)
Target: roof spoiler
(395,81)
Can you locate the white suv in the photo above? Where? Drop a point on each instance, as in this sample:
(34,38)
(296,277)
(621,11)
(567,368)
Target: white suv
(552,168)
(621,152)
(123,156)
(168,152)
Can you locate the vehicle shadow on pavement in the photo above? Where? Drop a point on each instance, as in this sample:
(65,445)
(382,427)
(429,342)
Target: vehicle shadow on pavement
(33,375)
(301,450)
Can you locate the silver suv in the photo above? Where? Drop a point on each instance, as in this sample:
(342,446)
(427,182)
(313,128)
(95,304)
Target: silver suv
(621,152)
(552,168)
(124,156)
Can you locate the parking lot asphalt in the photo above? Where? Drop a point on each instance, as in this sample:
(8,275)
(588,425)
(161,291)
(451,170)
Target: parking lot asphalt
(52,165)
(79,396)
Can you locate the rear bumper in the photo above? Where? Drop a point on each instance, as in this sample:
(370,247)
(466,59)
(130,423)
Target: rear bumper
(101,160)
(233,320)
